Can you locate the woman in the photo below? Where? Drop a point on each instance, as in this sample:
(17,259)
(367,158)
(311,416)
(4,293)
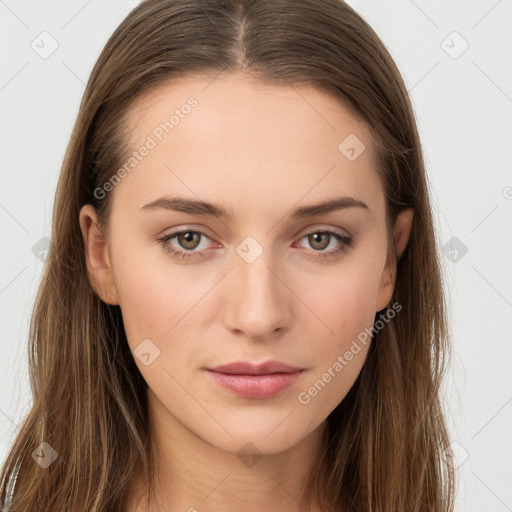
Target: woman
(242,304)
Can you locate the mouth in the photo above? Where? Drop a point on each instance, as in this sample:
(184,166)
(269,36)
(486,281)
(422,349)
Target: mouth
(256,381)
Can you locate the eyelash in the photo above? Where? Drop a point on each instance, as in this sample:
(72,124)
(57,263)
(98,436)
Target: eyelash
(346,242)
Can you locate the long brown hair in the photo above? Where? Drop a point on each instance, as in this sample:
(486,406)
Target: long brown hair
(387,446)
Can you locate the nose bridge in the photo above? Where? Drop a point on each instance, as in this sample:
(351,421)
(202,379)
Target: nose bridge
(259,303)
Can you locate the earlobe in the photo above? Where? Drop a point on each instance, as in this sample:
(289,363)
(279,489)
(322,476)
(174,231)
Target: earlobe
(401,235)
(97,258)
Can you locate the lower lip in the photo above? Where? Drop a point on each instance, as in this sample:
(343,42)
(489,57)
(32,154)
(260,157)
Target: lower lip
(256,386)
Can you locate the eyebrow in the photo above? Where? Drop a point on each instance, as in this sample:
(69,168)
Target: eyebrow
(192,206)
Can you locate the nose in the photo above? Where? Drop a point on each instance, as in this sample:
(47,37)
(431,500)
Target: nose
(259,303)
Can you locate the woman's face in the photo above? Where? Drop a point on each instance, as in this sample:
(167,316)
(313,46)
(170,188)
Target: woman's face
(251,279)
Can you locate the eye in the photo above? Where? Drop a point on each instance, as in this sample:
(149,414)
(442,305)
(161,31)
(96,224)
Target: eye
(322,239)
(188,239)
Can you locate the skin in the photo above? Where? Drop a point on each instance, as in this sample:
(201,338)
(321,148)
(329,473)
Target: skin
(259,150)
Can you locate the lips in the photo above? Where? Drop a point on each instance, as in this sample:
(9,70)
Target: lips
(256,381)
(247,368)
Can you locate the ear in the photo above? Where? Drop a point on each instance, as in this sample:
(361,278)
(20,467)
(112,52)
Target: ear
(97,256)
(401,235)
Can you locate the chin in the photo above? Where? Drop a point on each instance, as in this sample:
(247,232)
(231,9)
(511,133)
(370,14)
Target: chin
(266,435)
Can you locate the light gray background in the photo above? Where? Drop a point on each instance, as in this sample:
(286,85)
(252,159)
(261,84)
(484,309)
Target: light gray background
(463,104)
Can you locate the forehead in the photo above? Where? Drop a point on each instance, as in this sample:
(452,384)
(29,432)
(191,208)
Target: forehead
(242,142)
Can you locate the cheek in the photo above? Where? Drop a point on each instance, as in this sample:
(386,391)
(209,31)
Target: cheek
(341,304)
(344,302)
(159,309)
(152,296)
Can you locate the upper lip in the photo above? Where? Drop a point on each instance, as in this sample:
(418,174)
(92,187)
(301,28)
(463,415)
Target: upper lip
(248,368)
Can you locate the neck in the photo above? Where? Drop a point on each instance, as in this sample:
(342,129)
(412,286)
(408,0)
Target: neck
(195,476)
